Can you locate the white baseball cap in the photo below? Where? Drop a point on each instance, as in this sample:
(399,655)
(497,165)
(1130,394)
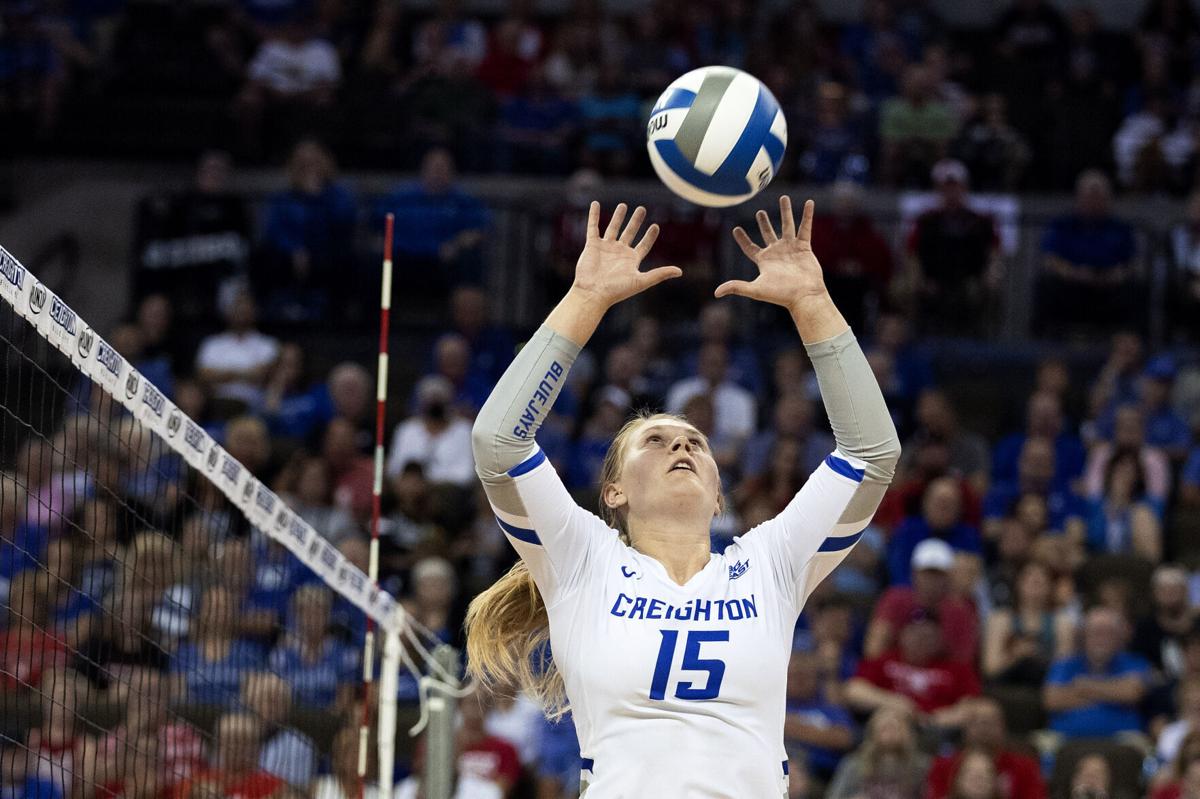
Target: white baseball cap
(933,553)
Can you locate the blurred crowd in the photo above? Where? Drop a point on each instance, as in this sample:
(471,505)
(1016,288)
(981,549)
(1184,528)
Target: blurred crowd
(1027,99)
(1019,619)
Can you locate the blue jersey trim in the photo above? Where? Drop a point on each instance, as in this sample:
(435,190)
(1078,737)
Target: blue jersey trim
(785,768)
(519,533)
(587,764)
(528,465)
(843,467)
(839,543)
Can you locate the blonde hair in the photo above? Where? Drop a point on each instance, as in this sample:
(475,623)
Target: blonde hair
(508,629)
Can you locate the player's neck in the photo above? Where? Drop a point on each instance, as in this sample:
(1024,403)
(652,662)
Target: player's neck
(682,553)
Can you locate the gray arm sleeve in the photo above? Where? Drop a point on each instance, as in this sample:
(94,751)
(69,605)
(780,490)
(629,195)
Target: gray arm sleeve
(858,414)
(503,434)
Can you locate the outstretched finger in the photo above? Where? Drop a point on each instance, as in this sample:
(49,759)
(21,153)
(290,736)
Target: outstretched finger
(655,276)
(787,222)
(643,247)
(764,227)
(635,224)
(614,224)
(593,227)
(805,234)
(746,243)
(742,288)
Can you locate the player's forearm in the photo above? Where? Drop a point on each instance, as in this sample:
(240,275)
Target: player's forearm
(504,430)
(858,413)
(577,316)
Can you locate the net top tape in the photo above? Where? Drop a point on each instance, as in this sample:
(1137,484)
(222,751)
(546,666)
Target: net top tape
(58,324)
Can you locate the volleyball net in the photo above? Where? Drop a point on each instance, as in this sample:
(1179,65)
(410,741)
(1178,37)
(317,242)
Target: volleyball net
(169,625)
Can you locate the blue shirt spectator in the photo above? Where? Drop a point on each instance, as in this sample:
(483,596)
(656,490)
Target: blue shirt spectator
(315,677)
(314,215)
(216,682)
(1095,242)
(558,763)
(435,220)
(1062,505)
(810,715)
(1044,418)
(1096,693)
(941,517)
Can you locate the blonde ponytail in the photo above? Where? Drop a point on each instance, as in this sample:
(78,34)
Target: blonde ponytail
(508,629)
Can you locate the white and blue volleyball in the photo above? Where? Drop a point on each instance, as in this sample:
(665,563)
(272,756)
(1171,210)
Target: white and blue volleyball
(716,136)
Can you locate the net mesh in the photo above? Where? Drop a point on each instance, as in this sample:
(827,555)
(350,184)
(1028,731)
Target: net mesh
(168,626)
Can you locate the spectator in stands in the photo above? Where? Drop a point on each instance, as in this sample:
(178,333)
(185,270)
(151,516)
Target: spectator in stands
(307,238)
(27,648)
(1092,777)
(875,51)
(1185,282)
(342,781)
(793,421)
(187,246)
(352,471)
(293,76)
(1121,520)
(1129,436)
(319,667)
(835,146)
(937,421)
(930,595)
(823,730)
(535,128)
(916,677)
(735,409)
(452,361)
(994,152)
(984,733)
(1165,428)
(717,327)
(1089,275)
(21,544)
(293,405)
(940,519)
(915,129)
(1189,480)
(434,591)
(558,765)
(1171,740)
(855,258)
(911,363)
(435,437)
(121,644)
(953,253)
(176,748)
(18,773)
(34,78)
(439,226)
(491,344)
(287,753)
(1036,475)
(310,495)
(234,364)
(610,120)
(1160,637)
(213,662)
(233,771)
(1020,642)
(888,763)
(1096,693)
(60,743)
(451,36)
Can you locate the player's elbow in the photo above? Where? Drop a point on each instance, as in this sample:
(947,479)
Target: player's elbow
(485,447)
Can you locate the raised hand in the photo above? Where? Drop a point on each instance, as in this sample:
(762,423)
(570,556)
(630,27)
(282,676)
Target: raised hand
(608,269)
(788,272)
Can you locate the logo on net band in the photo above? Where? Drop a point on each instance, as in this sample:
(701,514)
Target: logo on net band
(87,340)
(174,424)
(37,298)
(131,385)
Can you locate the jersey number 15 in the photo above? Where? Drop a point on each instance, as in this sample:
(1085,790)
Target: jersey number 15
(691,662)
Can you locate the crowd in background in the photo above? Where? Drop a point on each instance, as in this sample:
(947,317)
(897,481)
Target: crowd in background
(1019,621)
(1028,100)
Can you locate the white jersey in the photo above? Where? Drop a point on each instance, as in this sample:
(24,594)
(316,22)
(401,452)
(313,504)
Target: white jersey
(678,691)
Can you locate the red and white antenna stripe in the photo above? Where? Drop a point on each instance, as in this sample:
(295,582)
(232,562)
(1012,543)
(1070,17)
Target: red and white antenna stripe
(385,312)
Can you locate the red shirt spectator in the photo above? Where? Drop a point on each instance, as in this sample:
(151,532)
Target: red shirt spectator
(931,686)
(929,594)
(1018,774)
